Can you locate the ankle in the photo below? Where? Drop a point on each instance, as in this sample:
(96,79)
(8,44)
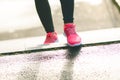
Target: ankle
(51,33)
(68,23)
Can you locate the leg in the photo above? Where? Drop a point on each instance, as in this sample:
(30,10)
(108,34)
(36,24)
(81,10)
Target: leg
(44,13)
(67,10)
(73,38)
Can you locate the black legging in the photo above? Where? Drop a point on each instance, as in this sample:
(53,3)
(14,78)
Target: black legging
(44,12)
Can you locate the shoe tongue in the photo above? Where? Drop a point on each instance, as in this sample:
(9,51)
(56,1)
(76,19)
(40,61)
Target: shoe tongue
(69,25)
(50,33)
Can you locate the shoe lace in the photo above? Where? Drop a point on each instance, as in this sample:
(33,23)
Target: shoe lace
(49,35)
(70,30)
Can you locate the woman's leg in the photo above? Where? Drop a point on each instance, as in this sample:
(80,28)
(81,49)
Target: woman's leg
(73,38)
(44,12)
(67,10)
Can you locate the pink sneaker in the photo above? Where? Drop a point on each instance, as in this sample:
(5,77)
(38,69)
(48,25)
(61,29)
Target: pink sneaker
(51,37)
(73,38)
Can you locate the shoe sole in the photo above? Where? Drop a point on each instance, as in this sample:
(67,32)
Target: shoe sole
(73,45)
(52,42)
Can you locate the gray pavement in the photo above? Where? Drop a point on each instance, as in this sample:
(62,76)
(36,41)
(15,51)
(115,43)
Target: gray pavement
(100,62)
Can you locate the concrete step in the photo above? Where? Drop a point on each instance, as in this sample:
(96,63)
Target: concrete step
(118,2)
(36,43)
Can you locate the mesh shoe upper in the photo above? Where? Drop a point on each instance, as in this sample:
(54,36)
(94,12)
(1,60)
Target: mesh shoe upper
(51,37)
(73,38)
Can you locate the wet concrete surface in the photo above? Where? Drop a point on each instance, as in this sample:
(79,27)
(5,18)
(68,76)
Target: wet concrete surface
(100,62)
(88,15)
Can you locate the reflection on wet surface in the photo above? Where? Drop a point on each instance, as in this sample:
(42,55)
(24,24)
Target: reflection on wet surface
(89,63)
(89,15)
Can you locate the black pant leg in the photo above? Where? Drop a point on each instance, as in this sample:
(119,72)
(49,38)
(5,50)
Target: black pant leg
(67,10)
(44,12)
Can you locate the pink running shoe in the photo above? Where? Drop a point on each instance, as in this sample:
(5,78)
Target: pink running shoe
(51,37)
(73,38)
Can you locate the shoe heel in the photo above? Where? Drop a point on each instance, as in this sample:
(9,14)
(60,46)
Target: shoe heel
(56,41)
(64,34)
